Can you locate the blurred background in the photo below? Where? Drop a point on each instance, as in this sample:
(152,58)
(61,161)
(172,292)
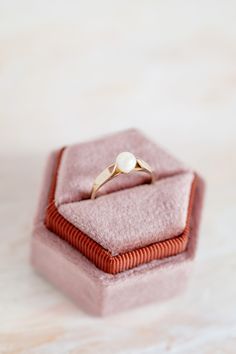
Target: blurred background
(73,70)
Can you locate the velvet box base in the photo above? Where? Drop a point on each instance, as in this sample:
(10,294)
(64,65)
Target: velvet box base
(100,293)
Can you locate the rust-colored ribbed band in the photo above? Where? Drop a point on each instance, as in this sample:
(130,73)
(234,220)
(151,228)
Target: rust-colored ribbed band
(101,257)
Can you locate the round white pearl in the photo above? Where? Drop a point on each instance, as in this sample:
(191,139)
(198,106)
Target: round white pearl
(126,162)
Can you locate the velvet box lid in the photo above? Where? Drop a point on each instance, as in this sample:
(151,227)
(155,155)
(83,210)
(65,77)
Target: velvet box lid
(110,253)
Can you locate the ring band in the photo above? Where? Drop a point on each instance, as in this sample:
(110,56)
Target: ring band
(125,163)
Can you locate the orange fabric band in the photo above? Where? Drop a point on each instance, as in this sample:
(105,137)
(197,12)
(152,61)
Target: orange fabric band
(98,255)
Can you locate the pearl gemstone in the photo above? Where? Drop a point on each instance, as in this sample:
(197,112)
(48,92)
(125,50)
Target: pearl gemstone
(126,162)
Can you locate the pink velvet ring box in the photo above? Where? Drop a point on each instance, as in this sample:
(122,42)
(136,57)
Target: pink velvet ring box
(133,244)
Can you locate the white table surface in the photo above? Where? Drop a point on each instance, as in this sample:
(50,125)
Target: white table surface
(70,71)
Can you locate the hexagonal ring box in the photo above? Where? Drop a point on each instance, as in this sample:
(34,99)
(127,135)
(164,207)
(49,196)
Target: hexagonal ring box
(134,243)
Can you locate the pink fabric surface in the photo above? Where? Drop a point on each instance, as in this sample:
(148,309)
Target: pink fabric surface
(101,293)
(135,217)
(129,218)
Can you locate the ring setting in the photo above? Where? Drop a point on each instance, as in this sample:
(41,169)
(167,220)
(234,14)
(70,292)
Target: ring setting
(125,163)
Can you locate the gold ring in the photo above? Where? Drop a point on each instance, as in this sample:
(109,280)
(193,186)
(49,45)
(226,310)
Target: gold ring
(125,162)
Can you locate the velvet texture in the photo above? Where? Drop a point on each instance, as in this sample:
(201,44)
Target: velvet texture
(135,217)
(101,293)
